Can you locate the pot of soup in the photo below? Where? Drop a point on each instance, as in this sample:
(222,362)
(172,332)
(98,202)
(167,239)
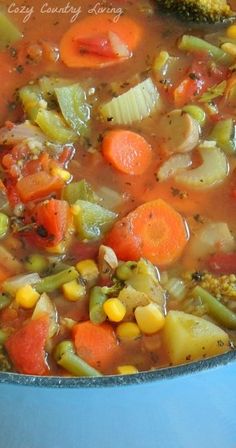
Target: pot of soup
(117,194)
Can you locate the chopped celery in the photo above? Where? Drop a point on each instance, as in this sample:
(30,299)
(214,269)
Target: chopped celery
(79,190)
(48,84)
(213,92)
(134,105)
(225,136)
(9,32)
(54,127)
(91,219)
(196,112)
(31,99)
(75,110)
(194,44)
(214,169)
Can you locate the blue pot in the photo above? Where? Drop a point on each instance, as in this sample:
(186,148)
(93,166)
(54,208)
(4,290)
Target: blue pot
(185,407)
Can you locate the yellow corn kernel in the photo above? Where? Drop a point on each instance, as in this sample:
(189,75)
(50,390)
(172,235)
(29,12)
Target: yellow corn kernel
(75,209)
(149,318)
(114,309)
(73,291)
(231,32)
(60,172)
(128,331)
(160,61)
(229,48)
(27,297)
(58,249)
(88,270)
(127,370)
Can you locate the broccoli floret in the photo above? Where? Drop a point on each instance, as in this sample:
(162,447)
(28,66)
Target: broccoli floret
(199,10)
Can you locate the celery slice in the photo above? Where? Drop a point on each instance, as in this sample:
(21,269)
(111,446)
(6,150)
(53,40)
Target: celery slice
(91,219)
(31,99)
(134,105)
(9,32)
(225,136)
(79,190)
(54,127)
(75,110)
(214,169)
(48,84)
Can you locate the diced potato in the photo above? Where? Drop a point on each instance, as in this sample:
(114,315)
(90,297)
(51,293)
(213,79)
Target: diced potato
(191,338)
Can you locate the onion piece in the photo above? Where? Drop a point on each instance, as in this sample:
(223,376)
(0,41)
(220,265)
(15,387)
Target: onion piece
(21,132)
(173,166)
(45,306)
(212,237)
(118,46)
(12,284)
(9,261)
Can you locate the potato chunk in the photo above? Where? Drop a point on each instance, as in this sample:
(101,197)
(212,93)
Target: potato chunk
(191,338)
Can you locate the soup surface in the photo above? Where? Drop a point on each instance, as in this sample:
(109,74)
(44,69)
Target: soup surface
(117,188)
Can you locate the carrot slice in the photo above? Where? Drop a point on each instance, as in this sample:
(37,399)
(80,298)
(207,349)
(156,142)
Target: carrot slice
(26,347)
(154,230)
(96,344)
(127,151)
(83,45)
(38,185)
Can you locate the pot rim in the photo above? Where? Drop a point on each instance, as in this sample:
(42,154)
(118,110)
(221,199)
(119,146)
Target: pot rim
(118,380)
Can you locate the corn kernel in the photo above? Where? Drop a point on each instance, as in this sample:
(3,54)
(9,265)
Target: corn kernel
(27,297)
(114,309)
(127,370)
(60,172)
(73,291)
(58,249)
(229,48)
(75,209)
(231,32)
(88,270)
(128,331)
(149,318)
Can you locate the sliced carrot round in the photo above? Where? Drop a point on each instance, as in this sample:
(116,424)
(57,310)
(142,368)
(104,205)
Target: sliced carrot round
(154,230)
(128,31)
(127,151)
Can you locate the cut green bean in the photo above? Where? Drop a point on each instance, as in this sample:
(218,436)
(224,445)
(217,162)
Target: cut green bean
(5,301)
(53,282)
(96,300)
(194,44)
(4,224)
(225,136)
(3,336)
(36,263)
(216,309)
(9,32)
(65,356)
(196,112)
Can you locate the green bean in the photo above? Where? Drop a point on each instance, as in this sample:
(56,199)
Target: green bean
(5,301)
(194,44)
(96,301)
(3,336)
(65,356)
(125,270)
(4,224)
(55,281)
(216,309)
(224,135)
(196,112)
(36,263)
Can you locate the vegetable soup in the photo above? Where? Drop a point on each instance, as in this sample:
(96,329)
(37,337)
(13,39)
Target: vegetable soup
(117,187)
